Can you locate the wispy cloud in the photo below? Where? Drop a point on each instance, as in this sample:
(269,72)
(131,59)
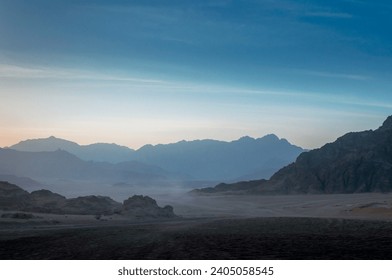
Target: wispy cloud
(13,71)
(307,9)
(370,104)
(349,76)
(22,72)
(329,15)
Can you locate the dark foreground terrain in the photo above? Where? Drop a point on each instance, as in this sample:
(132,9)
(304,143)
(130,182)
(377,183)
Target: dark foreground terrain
(252,238)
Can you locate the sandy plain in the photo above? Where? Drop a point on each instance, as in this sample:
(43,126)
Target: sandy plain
(344,226)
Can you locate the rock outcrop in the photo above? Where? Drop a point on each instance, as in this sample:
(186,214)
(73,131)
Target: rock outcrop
(93,205)
(139,206)
(13,198)
(235,188)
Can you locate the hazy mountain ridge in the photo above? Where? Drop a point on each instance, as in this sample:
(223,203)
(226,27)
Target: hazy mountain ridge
(355,162)
(245,158)
(218,160)
(112,153)
(64,165)
(24,182)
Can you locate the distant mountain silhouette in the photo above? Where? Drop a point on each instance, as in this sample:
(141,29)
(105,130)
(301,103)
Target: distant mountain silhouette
(355,162)
(95,152)
(212,160)
(24,182)
(246,158)
(64,165)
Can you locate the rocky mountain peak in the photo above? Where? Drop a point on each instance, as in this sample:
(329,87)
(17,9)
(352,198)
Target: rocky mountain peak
(387,125)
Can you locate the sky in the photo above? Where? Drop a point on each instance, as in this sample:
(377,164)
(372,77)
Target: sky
(148,72)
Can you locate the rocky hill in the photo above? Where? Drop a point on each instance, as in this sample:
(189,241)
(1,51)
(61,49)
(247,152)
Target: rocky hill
(45,201)
(139,206)
(242,187)
(13,198)
(356,162)
(92,204)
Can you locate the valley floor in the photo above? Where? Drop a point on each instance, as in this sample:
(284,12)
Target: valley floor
(279,227)
(351,206)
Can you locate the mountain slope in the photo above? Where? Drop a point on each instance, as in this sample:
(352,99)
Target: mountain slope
(355,162)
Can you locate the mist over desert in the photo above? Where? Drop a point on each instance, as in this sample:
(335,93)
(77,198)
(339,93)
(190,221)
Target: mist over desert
(204,129)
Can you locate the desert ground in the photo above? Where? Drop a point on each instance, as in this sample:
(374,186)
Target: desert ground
(344,226)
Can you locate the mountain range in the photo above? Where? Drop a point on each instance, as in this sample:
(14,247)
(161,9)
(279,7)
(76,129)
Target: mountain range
(356,162)
(243,159)
(61,164)
(104,152)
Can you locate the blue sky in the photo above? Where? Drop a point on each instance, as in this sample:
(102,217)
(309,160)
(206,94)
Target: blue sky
(138,72)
